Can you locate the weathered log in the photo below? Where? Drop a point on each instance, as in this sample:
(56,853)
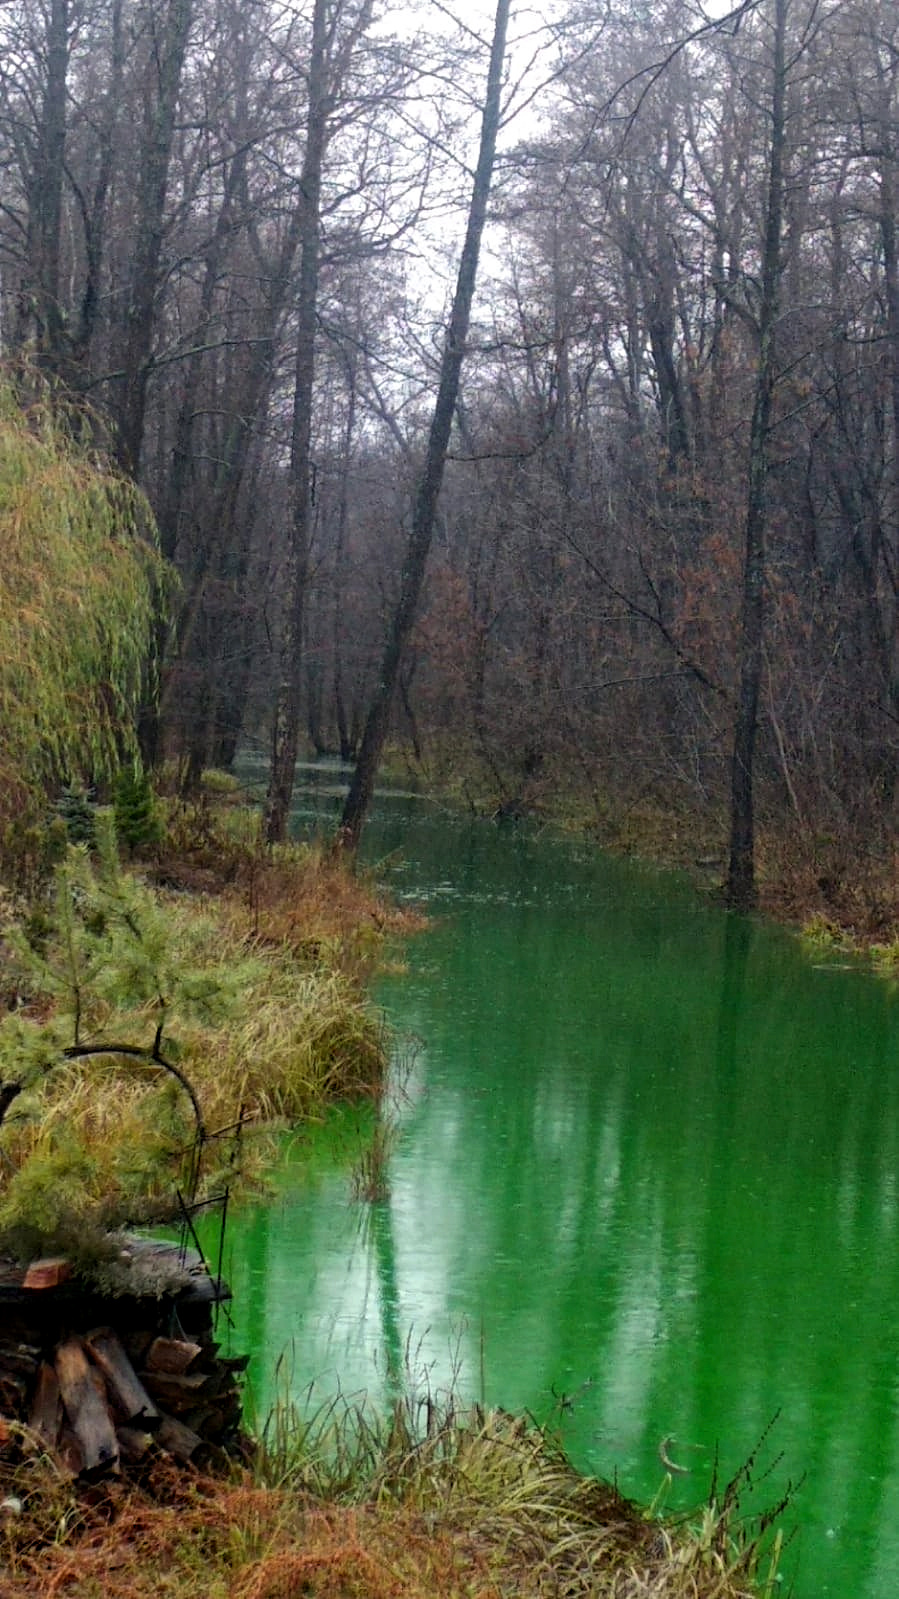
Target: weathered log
(173,1356)
(70,1453)
(214,1420)
(177,1439)
(46,1408)
(83,1394)
(217,1382)
(21,1359)
(133,1444)
(173,1391)
(125,1388)
(13,1394)
(137,1341)
(235,1363)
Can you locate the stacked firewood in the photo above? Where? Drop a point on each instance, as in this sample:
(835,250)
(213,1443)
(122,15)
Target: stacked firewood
(97,1403)
(103,1398)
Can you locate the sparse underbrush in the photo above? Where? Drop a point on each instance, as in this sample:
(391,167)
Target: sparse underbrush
(836,881)
(298,895)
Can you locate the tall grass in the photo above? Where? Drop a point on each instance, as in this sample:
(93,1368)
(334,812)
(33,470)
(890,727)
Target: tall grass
(370,1178)
(543,1527)
(253,995)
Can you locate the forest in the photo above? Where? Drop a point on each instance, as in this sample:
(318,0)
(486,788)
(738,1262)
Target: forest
(663,562)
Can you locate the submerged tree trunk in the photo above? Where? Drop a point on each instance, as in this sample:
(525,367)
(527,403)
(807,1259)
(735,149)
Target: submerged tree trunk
(378,720)
(741,886)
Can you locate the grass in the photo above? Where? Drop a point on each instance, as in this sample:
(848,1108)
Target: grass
(543,1527)
(426,1501)
(252,989)
(299,895)
(370,1175)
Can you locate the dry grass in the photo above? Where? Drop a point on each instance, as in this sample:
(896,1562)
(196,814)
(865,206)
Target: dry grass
(370,1174)
(477,1507)
(302,897)
(259,991)
(223,1542)
(842,886)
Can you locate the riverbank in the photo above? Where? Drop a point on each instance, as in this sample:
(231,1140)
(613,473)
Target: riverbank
(470,1507)
(839,880)
(479,1506)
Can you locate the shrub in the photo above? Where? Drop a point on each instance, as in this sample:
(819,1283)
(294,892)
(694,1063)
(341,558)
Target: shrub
(81,582)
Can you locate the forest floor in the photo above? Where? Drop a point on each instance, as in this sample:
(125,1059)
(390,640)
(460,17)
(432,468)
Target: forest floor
(474,1507)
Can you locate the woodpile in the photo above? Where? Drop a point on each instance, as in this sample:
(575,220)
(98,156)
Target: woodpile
(104,1382)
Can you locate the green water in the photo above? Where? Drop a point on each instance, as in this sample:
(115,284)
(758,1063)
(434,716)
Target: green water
(647,1159)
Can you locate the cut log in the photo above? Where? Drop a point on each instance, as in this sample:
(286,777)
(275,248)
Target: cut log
(235,1363)
(125,1388)
(215,1420)
(13,1394)
(133,1444)
(137,1341)
(174,1356)
(21,1359)
(46,1408)
(173,1391)
(48,1273)
(180,1441)
(69,1453)
(217,1381)
(83,1395)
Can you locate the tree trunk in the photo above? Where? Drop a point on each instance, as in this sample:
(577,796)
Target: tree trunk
(362,786)
(340,562)
(96,218)
(741,886)
(286,722)
(40,303)
(156,150)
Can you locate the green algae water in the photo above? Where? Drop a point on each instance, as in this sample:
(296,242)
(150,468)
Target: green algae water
(644,1182)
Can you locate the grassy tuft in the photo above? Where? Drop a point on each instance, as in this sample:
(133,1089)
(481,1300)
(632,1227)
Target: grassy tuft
(370,1179)
(252,997)
(427,1502)
(539,1526)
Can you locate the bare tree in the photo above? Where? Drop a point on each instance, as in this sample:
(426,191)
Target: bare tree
(378,720)
(165,63)
(741,887)
(287,715)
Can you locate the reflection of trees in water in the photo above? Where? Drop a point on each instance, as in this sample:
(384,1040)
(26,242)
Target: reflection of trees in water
(653,1160)
(380,1230)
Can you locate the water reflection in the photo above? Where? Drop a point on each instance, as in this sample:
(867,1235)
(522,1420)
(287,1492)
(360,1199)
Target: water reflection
(648,1160)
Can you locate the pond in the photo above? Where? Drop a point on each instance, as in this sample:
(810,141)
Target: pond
(644,1181)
